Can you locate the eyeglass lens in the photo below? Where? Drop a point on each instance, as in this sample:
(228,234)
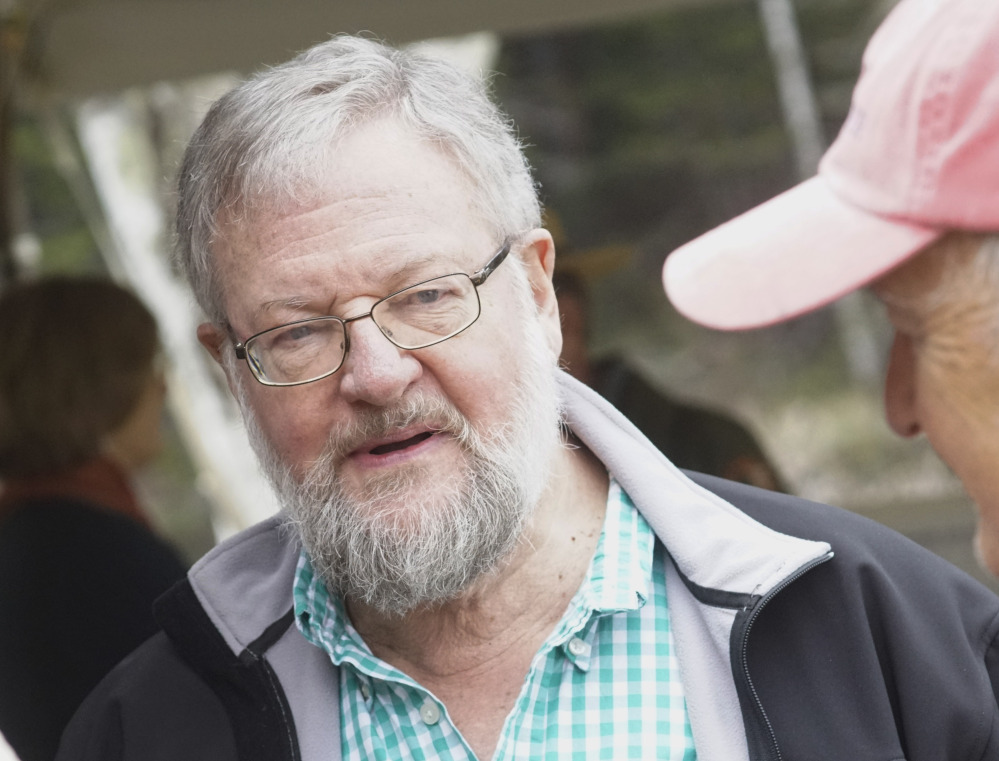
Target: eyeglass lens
(414,318)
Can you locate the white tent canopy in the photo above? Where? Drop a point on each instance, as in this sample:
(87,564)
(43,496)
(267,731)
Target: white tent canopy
(81,47)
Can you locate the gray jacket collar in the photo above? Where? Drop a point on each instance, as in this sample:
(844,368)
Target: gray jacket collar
(713,544)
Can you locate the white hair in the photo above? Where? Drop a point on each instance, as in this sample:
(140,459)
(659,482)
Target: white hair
(975,284)
(270,140)
(986,265)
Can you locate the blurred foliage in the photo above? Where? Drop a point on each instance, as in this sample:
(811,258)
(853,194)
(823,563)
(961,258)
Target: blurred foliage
(54,215)
(665,126)
(646,133)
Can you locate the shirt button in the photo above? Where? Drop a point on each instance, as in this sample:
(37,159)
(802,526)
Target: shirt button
(577,647)
(430,712)
(365,691)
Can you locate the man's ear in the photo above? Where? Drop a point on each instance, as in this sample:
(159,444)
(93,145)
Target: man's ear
(215,340)
(212,338)
(538,254)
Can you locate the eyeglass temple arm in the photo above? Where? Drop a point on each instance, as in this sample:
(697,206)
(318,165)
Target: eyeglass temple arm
(480,277)
(237,346)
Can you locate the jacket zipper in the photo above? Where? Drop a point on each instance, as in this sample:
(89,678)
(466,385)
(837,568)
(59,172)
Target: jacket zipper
(744,655)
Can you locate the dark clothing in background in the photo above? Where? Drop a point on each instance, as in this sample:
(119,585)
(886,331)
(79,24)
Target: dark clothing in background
(691,437)
(77,582)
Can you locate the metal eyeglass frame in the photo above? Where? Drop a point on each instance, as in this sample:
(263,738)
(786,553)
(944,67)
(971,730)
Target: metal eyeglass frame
(477,279)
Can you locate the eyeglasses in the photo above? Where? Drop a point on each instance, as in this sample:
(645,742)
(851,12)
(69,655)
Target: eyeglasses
(414,318)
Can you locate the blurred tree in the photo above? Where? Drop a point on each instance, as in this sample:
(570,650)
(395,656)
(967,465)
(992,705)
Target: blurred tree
(667,125)
(53,212)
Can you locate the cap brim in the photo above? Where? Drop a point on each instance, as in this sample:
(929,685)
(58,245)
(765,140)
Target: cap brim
(799,251)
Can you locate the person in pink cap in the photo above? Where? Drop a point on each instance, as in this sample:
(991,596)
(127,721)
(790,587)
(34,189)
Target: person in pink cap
(906,202)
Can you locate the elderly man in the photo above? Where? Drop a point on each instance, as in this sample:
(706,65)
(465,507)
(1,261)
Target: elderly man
(478,557)
(906,201)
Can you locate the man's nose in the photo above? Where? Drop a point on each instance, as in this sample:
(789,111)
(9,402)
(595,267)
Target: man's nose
(900,388)
(375,370)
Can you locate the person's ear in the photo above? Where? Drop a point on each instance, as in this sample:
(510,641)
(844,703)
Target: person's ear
(212,337)
(537,251)
(216,340)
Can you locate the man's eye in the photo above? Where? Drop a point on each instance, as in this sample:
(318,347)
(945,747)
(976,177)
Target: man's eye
(428,296)
(419,298)
(302,337)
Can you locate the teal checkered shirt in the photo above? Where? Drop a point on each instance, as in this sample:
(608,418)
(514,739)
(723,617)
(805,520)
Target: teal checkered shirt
(604,685)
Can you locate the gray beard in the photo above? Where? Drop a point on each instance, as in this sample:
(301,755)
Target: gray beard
(410,541)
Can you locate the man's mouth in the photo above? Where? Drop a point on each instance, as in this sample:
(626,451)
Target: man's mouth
(395,446)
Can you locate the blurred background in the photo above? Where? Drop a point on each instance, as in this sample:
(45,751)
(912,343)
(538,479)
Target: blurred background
(647,122)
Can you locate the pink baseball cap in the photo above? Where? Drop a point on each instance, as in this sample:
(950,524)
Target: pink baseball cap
(917,156)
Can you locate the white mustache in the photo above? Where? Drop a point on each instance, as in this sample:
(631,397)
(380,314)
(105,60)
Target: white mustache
(435,411)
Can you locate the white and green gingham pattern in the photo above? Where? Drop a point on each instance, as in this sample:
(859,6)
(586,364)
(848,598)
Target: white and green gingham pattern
(604,685)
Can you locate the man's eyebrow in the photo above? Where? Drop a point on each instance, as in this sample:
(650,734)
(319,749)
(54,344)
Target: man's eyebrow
(421,268)
(421,263)
(292,303)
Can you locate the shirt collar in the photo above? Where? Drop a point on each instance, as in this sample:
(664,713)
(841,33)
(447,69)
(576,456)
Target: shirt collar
(621,569)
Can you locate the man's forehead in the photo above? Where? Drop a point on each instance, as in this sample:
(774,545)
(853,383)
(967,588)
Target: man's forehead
(392,243)
(380,174)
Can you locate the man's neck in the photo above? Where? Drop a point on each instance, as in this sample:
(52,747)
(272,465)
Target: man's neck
(474,653)
(513,609)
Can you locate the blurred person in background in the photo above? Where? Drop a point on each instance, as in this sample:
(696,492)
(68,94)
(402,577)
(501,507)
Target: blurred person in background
(691,436)
(81,400)
(906,202)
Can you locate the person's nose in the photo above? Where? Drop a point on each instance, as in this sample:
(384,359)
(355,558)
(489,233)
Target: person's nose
(900,388)
(375,370)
